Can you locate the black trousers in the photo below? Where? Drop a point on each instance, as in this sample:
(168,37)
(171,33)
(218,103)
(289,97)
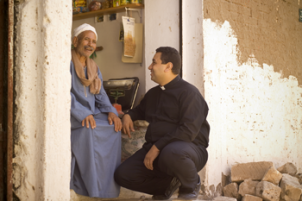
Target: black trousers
(178,159)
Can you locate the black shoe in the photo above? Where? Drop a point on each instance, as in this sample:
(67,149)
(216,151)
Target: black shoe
(174,185)
(192,195)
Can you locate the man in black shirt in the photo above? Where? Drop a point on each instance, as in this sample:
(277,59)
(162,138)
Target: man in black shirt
(176,138)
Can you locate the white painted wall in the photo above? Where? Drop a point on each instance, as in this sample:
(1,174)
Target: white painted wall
(192,18)
(161,29)
(42,126)
(109,59)
(255,113)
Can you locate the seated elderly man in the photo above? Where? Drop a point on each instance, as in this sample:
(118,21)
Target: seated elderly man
(95,126)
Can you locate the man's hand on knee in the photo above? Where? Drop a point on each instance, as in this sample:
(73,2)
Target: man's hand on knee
(150,157)
(89,120)
(127,125)
(112,118)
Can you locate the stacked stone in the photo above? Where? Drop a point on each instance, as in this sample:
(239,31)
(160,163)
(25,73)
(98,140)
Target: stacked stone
(257,181)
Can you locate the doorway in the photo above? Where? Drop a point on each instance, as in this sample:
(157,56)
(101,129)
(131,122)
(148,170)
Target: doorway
(3,98)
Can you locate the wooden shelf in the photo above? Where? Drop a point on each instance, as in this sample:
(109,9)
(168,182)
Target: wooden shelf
(106,11)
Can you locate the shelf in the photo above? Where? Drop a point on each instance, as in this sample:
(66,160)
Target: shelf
(106,11)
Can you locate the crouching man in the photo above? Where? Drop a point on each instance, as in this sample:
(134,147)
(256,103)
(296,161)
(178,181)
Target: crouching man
(176,138)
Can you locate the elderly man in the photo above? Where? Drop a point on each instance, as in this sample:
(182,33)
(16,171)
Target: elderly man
(95,126)
(176,138)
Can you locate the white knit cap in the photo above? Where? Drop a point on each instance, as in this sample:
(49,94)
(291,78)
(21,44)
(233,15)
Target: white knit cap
(84,27)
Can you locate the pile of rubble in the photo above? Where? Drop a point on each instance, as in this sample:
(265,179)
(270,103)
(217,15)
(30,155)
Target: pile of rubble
(259,181)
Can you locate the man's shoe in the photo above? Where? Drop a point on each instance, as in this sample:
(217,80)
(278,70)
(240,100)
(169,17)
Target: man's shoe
(192,195)
(174,185)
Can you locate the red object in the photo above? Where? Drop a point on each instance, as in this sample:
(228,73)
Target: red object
(118,108)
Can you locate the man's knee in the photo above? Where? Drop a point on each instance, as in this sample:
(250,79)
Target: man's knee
(170,156)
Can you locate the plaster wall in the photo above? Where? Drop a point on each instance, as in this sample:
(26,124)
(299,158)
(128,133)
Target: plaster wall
(161,29)
(252,55)
(41,164)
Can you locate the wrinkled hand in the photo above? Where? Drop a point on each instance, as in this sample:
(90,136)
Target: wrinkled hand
(89,120)
(150,157)
(112,118)
(127,125)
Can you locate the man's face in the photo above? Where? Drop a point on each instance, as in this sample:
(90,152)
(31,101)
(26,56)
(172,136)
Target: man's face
(85,43)
(157,69)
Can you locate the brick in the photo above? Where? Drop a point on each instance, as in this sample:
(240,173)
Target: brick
(268,191)
(250,20)
(240,2)
(253,170)
(272,175)
(299,176)
(234,7)
(225,6)
(264,8)
(251,198)
(231,190)
(223,198)
(287,168)
(245,11)
(248,187)
(291,188)
(234,16)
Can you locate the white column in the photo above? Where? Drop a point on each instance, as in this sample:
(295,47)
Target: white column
(42,136)
(193,72)
(192,17)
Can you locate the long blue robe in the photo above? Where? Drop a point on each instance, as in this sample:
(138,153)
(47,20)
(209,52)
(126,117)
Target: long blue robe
(96,153)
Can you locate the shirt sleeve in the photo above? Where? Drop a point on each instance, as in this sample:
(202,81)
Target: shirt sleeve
(138,113)
(102,101)
(78,111)
(193,113)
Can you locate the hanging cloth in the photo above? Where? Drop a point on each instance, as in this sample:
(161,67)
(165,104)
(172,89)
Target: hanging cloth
(93,80)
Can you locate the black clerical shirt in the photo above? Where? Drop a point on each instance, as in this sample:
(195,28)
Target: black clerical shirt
(176,111)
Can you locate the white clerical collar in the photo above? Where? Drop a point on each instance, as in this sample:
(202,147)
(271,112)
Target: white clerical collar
(162,88)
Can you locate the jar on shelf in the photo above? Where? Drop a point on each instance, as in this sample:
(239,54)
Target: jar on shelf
(116,3)
(95,5)
(125,2)
(80,3)
(79,6)
(105,4)
(110,3)
(137,1)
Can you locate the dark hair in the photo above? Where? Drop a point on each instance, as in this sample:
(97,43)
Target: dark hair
(170,54)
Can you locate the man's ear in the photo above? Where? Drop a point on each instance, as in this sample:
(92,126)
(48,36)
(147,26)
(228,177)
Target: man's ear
(75,41)
(169,67)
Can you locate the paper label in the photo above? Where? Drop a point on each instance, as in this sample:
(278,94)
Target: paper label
(129,37)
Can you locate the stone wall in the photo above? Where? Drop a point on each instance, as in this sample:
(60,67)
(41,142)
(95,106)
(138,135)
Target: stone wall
(41,163)
(252,73)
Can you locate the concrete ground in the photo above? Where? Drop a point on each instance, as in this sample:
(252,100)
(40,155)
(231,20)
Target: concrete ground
(126,196)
